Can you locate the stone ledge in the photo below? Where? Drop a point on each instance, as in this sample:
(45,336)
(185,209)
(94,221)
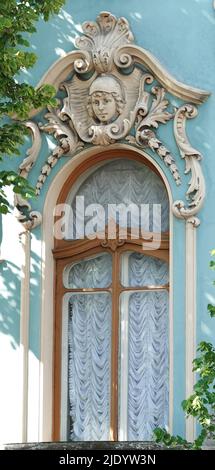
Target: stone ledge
(103,445)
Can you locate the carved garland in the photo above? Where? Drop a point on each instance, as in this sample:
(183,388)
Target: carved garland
(109,99)
(30,219)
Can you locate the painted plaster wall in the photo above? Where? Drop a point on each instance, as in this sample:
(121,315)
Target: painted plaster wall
(181,34)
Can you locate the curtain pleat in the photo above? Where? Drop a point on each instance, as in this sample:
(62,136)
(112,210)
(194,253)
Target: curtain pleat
(148,364)
(94,273)
(124,182)
(89,366)
(143,270)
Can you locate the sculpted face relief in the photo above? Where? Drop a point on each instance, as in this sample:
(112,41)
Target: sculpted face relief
(104,106)
(106,100)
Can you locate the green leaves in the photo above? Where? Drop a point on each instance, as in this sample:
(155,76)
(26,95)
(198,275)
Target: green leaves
(20,186)
(211,309)
(161,435)
(5,23)
(18,99)
(24,98)
(201,404)
(11,137)
(212,264)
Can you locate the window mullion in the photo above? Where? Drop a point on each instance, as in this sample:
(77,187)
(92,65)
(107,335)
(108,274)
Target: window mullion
(87,290)
(145,288)
(115,348)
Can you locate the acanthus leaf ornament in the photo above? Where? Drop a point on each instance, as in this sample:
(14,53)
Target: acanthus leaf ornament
(195,194)
(102,37)
(28,218)
(112,93)
(145,137)
(67,138)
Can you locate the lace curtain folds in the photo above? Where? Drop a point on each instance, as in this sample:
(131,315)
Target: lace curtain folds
(89,366)
(120,182)
(147,364)
(145,311)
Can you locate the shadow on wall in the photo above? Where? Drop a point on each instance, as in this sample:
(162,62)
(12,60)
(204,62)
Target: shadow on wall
(63,30)
(175,22)
(10,303)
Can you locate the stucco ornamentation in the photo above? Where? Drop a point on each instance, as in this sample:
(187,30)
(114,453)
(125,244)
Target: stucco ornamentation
(146,137)
(102,37)
(196,191)
(30,219)
(101,109)
(116,91)
(62,128)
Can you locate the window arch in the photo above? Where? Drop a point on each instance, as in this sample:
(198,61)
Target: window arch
(129,292)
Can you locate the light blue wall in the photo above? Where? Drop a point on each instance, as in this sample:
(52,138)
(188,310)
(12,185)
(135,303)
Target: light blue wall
(181,34)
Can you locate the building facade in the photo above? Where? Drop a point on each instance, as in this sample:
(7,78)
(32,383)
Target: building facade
(105,279)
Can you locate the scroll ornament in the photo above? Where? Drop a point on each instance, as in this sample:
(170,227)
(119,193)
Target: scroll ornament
(29,219)
(117,92)
(196,188)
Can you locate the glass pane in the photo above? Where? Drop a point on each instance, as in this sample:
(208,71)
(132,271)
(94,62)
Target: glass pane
(95,272)
(124,182)
(89,366)
(145,365)
(139,270)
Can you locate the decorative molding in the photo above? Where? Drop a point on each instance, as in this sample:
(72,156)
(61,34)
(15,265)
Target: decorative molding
(108,95)
(102,38)
(194,221)
(195,194)
(113,244)
(47,314)
(25,239)
(126,55)
(190,318)
(106,42)
(68,142)
(29,219)
(145,137)
(137,106)
(122,100)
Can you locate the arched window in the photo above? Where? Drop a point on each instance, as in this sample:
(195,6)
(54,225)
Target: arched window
(112,335)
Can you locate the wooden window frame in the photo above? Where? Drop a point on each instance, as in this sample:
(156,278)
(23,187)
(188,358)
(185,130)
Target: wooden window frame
(66,252)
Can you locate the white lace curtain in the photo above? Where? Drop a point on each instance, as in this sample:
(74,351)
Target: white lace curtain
(89,366)
(121,182)
(90,320)
(147,364)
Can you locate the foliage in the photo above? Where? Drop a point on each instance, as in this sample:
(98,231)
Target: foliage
(17,20)
(201,404)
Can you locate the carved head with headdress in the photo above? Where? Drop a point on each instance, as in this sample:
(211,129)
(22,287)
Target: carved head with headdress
(106,99)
